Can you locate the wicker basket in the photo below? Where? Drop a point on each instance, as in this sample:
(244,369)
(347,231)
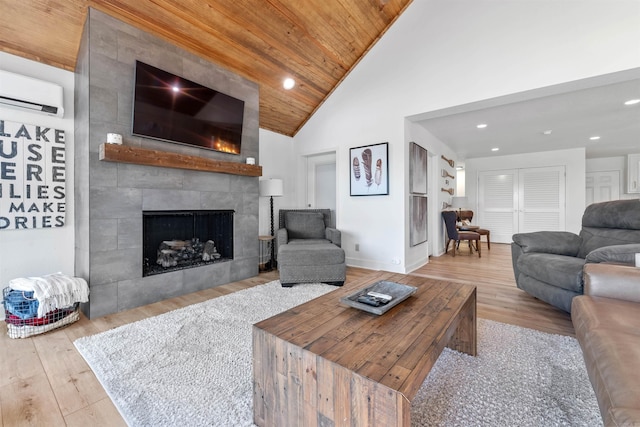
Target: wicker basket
(23,328)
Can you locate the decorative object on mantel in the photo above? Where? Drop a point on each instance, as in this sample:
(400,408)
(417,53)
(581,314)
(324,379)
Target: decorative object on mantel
(251,160)
(271,188)
(146,157)
(369,166)
(114,138)
(32,178)
(451,162)
(448,190)
(446,174)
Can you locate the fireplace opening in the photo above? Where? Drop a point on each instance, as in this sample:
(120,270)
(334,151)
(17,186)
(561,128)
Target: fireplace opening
(175,240)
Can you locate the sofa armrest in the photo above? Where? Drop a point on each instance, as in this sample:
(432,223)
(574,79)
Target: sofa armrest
(334,235)
(550,242)
(621,254)
(612,281)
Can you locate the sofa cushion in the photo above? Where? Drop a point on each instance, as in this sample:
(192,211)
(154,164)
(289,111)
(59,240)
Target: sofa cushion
(562,271)
(589,312)
(594,238)
(611,356)
(305,225)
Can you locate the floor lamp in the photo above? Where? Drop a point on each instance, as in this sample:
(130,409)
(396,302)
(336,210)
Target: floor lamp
(271,188)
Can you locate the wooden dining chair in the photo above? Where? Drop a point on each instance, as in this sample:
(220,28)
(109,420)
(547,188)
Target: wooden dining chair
(468,214)
(453,235)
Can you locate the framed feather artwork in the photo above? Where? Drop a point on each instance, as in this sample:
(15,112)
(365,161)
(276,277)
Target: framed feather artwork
(369,170)
(418,158)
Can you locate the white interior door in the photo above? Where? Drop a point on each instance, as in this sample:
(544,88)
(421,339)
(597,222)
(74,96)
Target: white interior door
(521,200)
(497,203)
(321,183)
(541,199)
(602,186)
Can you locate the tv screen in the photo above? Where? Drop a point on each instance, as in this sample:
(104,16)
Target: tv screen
(174,109)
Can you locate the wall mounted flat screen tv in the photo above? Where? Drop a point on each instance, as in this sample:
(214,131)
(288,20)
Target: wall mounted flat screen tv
(171,108)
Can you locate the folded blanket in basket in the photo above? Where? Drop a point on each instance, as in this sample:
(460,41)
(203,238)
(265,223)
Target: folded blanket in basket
(53,291)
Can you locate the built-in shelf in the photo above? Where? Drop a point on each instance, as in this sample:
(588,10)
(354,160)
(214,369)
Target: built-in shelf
(143,156)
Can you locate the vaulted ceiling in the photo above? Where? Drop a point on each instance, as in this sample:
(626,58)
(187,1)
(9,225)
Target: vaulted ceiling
(316,42)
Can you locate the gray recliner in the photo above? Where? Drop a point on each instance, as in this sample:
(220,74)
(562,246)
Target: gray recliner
(548,264)
(309,249)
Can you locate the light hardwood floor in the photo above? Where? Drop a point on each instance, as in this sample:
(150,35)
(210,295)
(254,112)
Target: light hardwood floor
(45,382)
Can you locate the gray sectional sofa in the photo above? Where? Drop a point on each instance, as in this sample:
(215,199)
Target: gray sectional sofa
(549,264)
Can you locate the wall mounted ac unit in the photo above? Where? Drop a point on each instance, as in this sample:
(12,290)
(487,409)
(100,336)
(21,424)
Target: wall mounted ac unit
(26,93)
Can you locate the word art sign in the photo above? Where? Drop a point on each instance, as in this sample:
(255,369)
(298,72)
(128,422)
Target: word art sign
(32,176)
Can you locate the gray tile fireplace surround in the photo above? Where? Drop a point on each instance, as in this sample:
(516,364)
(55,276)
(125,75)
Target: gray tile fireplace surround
(110,197)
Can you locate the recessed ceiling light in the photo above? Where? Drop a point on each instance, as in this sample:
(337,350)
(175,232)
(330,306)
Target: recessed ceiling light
(632,102)
(288,83)
(547,132)
(175,88)
(481,126)
(594,138)
(495,149)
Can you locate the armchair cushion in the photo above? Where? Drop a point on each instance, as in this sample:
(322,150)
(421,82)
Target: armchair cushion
(564,271)
(305,225)
(551,242)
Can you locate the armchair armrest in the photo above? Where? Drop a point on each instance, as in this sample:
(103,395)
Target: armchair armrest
(334,235)
(622,254)
(612,281)
(550,242)
(282,237)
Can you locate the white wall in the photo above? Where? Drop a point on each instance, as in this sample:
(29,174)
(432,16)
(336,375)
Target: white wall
(440,54)
(276,156)
(35,252)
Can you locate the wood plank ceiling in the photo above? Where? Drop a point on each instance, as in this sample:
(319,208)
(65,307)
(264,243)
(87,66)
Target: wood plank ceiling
(317,42)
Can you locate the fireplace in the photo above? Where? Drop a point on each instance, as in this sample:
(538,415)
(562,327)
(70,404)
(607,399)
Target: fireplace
(176,240)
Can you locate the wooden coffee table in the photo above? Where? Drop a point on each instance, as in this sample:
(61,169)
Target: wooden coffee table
(325,364)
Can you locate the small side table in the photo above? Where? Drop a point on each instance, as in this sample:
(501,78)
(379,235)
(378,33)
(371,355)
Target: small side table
(265,258)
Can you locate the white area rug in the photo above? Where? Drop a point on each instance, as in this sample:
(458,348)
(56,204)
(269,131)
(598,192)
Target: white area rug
(192,367)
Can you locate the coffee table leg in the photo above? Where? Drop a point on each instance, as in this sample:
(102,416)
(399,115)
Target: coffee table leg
(465,337)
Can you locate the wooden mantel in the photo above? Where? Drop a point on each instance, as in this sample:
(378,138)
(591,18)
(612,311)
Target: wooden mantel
(143,156)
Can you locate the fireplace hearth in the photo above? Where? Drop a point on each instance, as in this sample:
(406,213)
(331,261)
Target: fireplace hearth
(175,240)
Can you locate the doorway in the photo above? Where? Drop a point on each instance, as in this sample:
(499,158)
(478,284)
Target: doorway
(321,183)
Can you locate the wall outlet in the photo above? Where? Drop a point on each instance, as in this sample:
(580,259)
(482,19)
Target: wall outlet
(357,247)
(395,261)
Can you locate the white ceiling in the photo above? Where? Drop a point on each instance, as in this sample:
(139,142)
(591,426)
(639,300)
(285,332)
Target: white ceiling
(574,112)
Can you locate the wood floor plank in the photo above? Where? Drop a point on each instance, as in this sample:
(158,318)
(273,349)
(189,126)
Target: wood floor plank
(100,413)
(30,402)
(74,384)
(29,374)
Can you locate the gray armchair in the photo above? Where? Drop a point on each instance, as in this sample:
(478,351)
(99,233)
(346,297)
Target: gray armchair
(549,264)
(308,249)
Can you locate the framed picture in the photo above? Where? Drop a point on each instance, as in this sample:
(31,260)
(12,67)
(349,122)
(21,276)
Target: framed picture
(418,220)
(369,170)
(418,159)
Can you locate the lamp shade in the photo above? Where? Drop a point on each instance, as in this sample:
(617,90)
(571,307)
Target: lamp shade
(458,202)
(271,187)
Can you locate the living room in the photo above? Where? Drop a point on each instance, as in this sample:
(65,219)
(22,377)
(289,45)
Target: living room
(402,75)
